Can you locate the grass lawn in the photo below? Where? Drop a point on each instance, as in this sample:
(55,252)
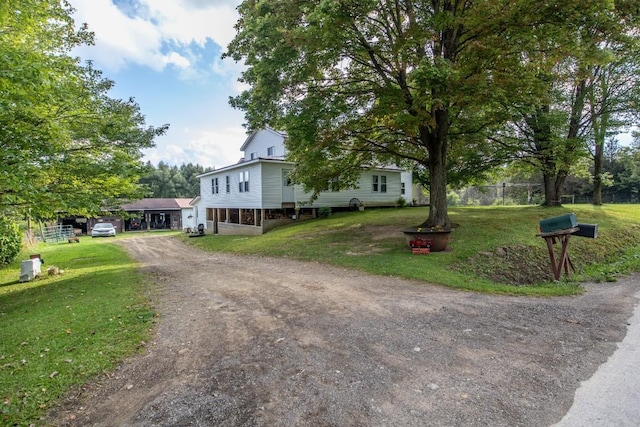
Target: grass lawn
(58,331)
(61,331)
(372,242)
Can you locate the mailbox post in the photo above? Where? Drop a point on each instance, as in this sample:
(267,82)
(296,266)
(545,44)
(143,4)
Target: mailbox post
(561,228)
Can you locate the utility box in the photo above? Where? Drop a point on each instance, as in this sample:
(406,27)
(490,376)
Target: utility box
(29,269)
(556,223)
(587,230)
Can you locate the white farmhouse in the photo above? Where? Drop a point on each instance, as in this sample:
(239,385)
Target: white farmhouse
(255,195)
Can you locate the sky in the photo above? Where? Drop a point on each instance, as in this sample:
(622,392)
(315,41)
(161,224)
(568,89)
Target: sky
(167,55)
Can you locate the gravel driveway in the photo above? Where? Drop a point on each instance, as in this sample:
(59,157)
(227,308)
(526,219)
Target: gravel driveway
(248,341)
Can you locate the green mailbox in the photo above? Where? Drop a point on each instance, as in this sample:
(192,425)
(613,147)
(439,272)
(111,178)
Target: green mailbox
(556,223)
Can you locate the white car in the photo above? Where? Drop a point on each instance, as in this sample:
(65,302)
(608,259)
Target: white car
(103,229)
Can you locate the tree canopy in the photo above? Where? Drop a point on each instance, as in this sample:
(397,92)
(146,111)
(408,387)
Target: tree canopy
(419,83)
(167,181)
(415,82)
(66,145)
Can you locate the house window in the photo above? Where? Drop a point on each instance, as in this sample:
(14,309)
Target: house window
(271,151)
(243,181)
(402,191)
(379,183)
(227,183)
(254,156)
(214,186)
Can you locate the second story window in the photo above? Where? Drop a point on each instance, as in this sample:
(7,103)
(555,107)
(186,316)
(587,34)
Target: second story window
(271,151)
(214,186)
(254,156)
(243,181)
(227,183)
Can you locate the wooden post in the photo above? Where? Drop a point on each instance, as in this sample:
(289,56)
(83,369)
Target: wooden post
(563,262)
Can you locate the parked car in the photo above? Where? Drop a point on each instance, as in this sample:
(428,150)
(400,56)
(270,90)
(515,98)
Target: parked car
(103,229)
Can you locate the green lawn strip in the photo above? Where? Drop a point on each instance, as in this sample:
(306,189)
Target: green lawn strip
(372,241)
(61,330)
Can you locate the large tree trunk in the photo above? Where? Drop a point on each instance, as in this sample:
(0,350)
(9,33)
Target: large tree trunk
(597,175)
(436,143)
(438,213)
(556,161)
(599,125)
(551,198)
(558,185)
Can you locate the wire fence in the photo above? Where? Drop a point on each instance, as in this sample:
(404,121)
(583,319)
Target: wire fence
(57,233)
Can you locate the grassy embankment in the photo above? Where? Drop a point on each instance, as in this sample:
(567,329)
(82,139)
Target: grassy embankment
(372,242)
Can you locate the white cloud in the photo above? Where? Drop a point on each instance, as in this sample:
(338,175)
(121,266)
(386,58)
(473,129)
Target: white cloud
(186,22)
(177,60)
(210,148)
(155,33)
(176,35)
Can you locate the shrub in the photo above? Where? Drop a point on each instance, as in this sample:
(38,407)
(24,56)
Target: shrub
(401,202)
(324,212)
(10,241)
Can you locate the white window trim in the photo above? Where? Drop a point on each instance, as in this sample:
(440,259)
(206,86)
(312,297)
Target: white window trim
(214,186)
(243,182)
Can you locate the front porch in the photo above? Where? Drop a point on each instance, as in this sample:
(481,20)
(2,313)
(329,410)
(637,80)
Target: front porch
(252,222)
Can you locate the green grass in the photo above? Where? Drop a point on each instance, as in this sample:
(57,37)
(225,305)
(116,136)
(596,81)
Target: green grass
(371,241)
(58,331)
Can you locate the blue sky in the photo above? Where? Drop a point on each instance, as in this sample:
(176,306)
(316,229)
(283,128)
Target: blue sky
(166,54)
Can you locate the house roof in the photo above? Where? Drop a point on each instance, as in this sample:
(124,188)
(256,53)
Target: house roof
(156,204)
(250,137)
(184,203)
(226,169)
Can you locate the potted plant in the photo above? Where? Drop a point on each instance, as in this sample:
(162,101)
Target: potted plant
(438,235)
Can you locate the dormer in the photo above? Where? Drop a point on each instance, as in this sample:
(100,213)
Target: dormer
(264,143)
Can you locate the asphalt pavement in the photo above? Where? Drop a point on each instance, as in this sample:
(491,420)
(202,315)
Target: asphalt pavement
(611,397)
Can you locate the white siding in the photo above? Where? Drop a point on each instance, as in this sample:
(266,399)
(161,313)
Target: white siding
(260,143)
(235,198)
(407,178)
(272,186)
(364,192)
(186,221)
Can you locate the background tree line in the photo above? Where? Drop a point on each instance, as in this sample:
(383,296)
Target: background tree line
(524,185)
(165,181)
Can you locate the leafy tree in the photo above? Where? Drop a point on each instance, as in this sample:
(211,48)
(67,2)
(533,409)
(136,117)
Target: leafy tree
(587,94)
(414,82)
(627,176)
(9,241)
(613,102)
(66,145)
(190,173)
(171,181)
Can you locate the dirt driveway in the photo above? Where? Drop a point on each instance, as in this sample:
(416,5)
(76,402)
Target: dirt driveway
(272,342)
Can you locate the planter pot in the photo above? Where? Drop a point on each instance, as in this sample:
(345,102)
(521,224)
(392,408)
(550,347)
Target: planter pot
(439,238)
